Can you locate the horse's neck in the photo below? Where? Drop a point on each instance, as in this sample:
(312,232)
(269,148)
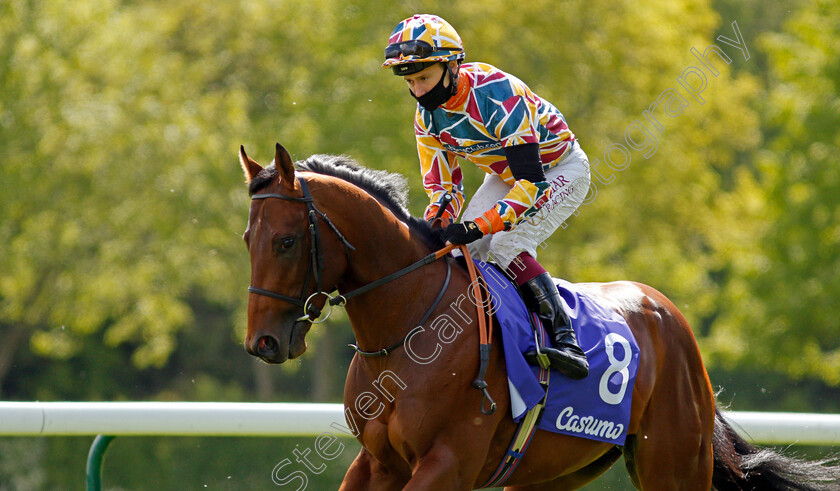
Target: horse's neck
(384,244)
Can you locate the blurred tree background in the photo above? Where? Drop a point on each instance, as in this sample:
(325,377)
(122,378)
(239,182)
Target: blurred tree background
(123,274)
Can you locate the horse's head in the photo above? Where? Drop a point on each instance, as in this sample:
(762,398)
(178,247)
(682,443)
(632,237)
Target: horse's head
(292,261)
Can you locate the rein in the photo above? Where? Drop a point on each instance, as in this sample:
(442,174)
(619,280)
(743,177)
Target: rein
(316,265)
(485,333)
(386,351)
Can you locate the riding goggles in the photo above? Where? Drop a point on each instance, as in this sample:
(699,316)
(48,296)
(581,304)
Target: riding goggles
(413,47)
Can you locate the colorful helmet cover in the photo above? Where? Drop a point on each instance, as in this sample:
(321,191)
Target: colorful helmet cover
(420,41)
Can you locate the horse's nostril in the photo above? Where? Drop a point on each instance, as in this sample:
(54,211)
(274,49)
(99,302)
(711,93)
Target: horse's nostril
(267,346)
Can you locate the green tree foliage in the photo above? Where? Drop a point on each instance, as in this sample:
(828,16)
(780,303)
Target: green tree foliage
(116,205)
(133,148)
(784,317)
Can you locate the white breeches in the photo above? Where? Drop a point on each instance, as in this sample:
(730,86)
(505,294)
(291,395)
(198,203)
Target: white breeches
(569,185)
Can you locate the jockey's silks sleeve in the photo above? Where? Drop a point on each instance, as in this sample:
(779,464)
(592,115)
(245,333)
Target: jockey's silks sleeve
(491,111)
(527,168)
(523,200)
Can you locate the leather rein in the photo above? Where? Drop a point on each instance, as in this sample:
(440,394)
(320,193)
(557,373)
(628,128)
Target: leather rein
(313,314)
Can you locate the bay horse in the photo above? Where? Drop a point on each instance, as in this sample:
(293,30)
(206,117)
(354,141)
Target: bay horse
(333,225)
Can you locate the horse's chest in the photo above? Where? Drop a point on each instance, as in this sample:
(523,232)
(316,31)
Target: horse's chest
(388,444)
(399,414)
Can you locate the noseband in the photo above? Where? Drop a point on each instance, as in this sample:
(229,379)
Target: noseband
(316,258)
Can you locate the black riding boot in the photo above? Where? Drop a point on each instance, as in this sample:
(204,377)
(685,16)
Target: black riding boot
(566,356)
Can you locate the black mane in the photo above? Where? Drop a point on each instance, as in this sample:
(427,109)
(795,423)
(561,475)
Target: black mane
(388,188)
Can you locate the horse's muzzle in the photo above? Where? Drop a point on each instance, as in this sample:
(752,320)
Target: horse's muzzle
(272,349)
(268,349)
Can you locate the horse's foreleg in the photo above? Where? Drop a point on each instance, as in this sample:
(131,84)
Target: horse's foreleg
(368,474)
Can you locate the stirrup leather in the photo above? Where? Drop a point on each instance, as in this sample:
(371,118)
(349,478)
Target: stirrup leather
(566,355)
(541,358)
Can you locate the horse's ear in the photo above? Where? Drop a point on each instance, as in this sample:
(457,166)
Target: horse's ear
(250,167)
(284,164)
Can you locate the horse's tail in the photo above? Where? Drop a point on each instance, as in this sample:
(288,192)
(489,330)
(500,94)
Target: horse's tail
(741,466)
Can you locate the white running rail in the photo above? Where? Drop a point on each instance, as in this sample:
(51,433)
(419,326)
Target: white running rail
(299,419)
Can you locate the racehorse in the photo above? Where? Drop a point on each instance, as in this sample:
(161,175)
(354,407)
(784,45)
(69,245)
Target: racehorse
(332,225)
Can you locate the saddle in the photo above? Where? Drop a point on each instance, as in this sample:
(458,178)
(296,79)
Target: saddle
(597,407)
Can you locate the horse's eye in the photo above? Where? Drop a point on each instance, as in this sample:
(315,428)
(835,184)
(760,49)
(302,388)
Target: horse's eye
(283,244)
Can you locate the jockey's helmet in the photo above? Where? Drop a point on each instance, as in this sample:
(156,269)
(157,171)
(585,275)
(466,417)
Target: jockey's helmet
(421,41)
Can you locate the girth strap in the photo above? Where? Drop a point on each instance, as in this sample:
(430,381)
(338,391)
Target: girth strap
(527,425)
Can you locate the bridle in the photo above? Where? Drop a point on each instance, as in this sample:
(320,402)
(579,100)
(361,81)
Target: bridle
(316,264)
(316,258)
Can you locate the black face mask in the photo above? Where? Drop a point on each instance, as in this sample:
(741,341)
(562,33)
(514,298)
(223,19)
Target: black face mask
(439,94)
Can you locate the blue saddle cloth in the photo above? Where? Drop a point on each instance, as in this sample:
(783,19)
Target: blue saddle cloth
(597,407)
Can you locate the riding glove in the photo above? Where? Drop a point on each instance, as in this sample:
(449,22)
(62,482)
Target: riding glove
(462,233)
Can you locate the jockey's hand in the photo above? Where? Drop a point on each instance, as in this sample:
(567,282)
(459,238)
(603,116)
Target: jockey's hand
(462,233)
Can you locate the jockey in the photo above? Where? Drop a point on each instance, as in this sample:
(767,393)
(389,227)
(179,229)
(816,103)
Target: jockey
(537,174)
